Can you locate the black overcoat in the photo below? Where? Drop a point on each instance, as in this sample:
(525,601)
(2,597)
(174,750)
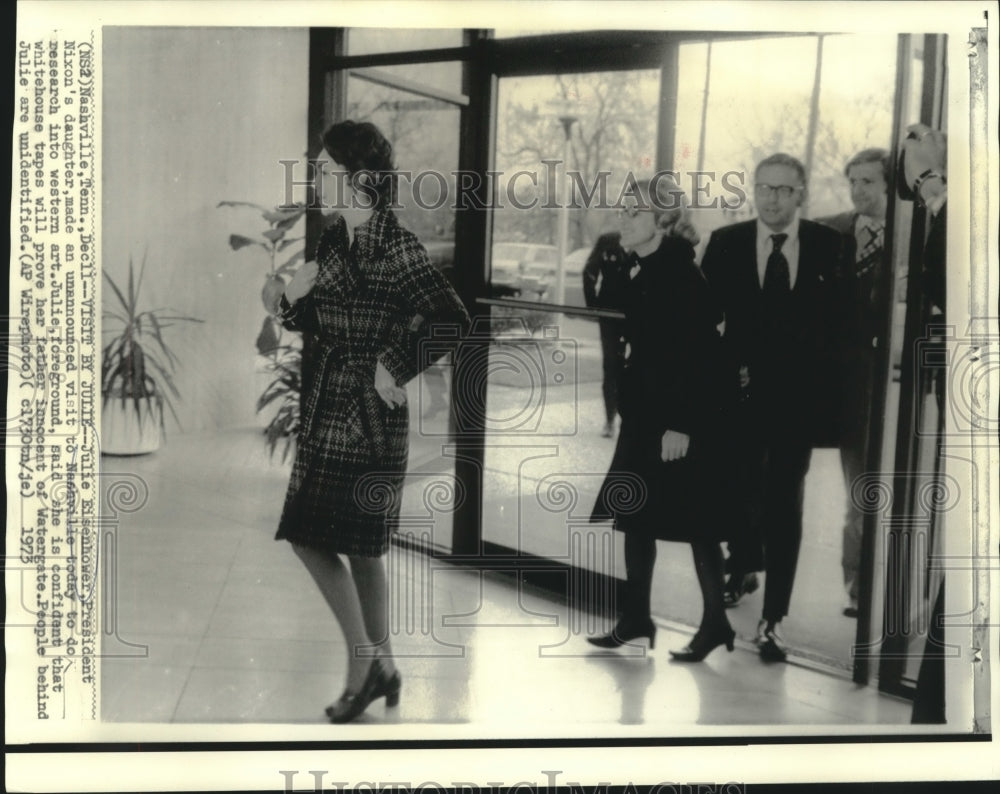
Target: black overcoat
(373,300)
(674,379)
(857,318)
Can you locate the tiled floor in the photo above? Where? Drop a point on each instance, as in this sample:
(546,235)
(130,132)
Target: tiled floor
(218,623)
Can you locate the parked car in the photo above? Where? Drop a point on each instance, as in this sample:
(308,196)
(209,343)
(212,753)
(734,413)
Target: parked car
(572,267)
(522,269)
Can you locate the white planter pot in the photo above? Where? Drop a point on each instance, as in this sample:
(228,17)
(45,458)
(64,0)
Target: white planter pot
(125,432)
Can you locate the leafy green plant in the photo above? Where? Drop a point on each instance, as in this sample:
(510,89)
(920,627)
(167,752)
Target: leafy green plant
(283,361)
(137,364)
(285,366)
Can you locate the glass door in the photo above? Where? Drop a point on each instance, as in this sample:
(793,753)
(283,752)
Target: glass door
(567,145)
(910,531)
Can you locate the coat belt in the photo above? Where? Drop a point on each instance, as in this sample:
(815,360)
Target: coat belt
(355,379)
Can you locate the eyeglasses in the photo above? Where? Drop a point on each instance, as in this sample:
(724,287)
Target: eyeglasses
(632,212)
(783,191)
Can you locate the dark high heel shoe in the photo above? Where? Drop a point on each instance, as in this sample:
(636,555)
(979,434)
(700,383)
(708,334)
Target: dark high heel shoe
(377,684)
(704,643)
(626,632)
(390,688)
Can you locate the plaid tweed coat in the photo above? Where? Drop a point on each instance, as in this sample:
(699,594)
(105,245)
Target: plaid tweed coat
(372,301)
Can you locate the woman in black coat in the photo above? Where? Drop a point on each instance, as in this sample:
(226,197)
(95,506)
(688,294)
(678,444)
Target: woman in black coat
(665,477)
(369,298)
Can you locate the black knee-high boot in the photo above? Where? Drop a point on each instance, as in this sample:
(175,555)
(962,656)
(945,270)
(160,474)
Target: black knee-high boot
(710,567)
(640,558)
(635,620)
(714,629)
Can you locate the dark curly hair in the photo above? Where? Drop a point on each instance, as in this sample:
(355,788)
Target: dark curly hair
(361,148)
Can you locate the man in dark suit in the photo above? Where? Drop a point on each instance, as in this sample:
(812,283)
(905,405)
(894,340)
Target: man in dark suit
(863,264)
(774,277)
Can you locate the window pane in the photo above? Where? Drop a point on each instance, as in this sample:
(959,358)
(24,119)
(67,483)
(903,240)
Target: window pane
(554,189)
(368,41)
(755,99)
(859,73)
(446,76)
(430,491)
(545,455)
(424,135)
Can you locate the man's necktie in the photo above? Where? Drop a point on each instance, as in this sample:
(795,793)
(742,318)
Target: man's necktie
(777,280)
(871,239)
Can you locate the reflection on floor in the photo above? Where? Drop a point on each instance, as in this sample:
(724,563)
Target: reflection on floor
(215,622)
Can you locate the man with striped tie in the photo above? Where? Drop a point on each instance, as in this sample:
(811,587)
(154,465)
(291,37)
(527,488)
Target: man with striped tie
(863,262)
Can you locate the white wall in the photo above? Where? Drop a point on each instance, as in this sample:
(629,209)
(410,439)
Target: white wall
(194,116)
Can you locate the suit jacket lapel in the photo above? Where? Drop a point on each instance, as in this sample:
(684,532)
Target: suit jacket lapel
(806,274)
(750,246)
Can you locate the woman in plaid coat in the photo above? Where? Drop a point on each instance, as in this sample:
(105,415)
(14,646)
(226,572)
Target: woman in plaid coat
(369,298)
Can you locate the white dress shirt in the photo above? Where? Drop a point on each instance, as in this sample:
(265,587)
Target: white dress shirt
(790,248)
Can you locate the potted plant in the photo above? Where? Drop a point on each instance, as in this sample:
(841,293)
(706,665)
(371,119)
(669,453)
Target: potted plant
(284,366)
(137,369)
(282,359)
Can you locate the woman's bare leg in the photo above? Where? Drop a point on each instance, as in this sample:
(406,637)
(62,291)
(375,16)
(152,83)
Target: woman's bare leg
(373,593)
(337,585)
